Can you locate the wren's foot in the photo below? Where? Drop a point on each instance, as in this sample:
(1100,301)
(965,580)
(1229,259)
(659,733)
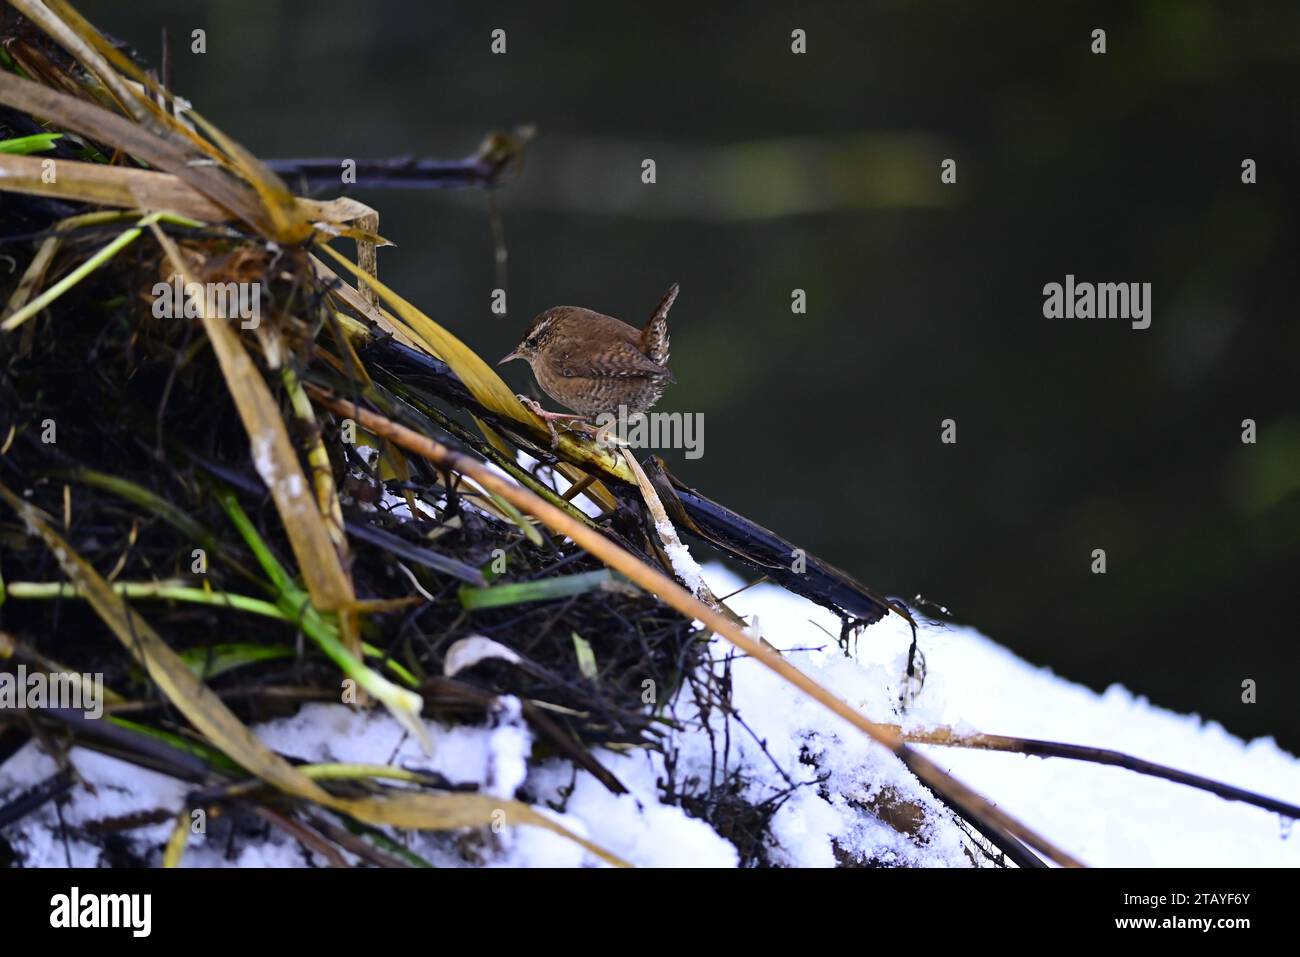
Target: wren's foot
(550,418)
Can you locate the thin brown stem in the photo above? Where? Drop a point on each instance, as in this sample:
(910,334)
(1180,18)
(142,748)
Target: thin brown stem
(948,738)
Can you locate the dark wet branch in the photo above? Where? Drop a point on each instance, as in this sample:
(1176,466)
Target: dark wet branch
(499,157)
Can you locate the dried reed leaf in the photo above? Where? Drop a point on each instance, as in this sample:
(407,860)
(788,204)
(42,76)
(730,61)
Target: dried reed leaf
(131,188)
(354,300)
(274,456)
(446,811)
(108,185)
(123,64)
(322,472)
(130,137)
(177,842)
(481,380)
(289,225)
(76,38)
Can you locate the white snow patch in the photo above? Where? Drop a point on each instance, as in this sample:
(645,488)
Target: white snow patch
(684,566)
(634,826)
(509,745)
(112,789)
(549,476)
(1104,815)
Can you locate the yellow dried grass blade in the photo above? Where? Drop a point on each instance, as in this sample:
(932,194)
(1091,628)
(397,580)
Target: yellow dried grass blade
(274,456)
(413,810)
(100,124)
(175,849)
(481,380)
(318,458)
(133,188)
(393,465)
(289,225)
(596,491)
(354,300)
(108,185)
(333,216)
(76,39)
(87,31)
(494,438)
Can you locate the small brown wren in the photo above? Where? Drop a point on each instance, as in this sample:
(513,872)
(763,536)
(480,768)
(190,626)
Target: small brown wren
(593,364)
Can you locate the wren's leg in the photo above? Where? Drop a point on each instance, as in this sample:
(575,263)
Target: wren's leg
(550,418)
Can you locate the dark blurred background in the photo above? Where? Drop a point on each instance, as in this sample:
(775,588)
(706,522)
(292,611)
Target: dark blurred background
(821,172)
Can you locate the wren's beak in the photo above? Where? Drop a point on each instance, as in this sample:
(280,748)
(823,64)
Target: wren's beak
(513,355)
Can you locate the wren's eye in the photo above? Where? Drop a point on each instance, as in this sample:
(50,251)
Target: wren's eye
(534,339)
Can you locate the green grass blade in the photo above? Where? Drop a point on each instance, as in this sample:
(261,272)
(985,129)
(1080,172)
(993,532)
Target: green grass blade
(517,593)
(23,145)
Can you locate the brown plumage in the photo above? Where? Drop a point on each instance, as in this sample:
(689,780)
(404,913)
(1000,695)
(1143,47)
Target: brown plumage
(592,363)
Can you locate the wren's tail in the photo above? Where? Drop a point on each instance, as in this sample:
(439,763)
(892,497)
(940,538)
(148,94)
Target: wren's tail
(654,338)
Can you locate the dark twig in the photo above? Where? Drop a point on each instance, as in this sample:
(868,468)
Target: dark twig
(35,797)
(946,738)
(499,154)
